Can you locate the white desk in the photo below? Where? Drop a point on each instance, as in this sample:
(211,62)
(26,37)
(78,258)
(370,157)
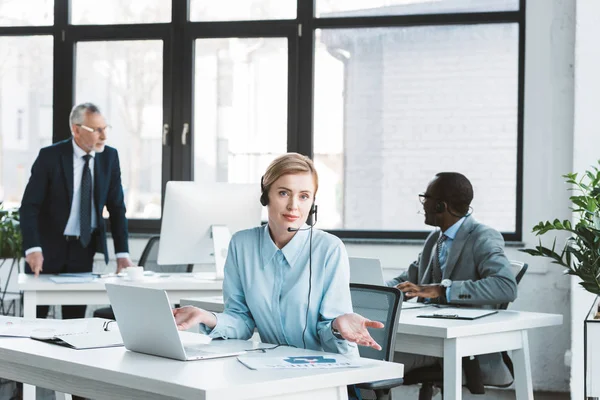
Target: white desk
(454,339)
(112,373)
(42,291)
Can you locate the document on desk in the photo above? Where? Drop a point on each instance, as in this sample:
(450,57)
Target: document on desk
(84,340)
(299,362)
(26,327)
(410,305)
(84,277)
(49,328)
(457,313)
(86,333)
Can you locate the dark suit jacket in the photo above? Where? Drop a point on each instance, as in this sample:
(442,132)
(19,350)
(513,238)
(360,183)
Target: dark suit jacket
(480,274)
(47,202)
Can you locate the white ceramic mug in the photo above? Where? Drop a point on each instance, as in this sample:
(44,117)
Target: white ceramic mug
(135,273)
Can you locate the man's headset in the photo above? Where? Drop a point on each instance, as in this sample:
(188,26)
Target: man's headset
(440,207)
(264,200)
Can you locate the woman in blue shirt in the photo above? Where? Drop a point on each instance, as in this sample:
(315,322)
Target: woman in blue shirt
(286,279)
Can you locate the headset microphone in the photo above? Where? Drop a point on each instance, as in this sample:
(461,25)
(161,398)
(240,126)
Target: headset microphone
(313,210)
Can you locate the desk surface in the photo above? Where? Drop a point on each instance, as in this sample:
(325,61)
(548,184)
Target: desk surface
(217,378)
(503,321)
(175,281)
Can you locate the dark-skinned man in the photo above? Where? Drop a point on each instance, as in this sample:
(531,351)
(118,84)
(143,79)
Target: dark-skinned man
(462,263)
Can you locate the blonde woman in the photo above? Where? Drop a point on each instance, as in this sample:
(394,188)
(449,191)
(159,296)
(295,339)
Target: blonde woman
(287,279)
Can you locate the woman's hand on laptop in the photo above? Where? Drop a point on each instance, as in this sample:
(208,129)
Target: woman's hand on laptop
(188,316)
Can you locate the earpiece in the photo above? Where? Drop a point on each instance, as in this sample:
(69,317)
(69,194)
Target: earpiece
(264,196)
(440,207)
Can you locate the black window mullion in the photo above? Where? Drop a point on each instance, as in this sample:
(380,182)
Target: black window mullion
(182,92)
(385,21)
(62,72)
(518,235)
(304,139)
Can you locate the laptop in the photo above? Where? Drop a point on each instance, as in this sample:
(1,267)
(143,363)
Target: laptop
(366,270)
(147,326)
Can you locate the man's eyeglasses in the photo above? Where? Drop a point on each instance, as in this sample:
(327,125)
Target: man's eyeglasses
(423,197)
(106,129)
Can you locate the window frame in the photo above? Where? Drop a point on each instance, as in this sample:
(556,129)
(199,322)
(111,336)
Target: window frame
(179,36)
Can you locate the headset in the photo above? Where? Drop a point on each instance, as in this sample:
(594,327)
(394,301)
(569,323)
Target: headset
(440,207)
(264,200)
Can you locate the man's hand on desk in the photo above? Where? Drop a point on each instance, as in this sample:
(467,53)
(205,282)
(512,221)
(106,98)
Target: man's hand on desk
(35,261)
(188,316)
(123,263)
(426,291)
(353,328)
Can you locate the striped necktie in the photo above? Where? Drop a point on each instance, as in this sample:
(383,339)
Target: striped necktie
(436,272)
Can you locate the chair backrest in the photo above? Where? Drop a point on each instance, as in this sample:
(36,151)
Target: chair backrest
(150,256)
(518,268)
(383,304)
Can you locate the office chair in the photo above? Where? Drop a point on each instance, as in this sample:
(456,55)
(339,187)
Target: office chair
(432,376)
(379,303)
(148,260)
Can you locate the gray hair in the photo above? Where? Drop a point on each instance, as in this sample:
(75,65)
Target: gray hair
(78,112)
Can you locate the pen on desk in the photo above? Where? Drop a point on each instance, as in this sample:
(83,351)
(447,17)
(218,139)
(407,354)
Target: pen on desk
(445,315)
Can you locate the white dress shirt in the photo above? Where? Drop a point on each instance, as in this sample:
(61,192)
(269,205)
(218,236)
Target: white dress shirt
(73,226)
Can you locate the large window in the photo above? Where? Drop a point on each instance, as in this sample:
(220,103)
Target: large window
(393,106)
(382,94)
(125,78)
(25,110)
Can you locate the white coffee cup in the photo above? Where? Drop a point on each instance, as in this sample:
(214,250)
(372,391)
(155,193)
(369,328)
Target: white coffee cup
(135,273)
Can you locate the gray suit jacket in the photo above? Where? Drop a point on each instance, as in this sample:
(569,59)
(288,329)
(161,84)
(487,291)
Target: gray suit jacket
(480,274)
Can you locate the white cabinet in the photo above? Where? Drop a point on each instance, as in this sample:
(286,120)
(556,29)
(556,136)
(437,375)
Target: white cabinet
(592,351)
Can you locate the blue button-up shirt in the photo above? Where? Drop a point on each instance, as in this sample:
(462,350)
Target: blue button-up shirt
(267,288)
(447,245)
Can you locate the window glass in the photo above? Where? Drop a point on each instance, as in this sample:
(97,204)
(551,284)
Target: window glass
(125,80)
(109,12)
(240,107)
(26,13)
(394,106)
(363,8)
(241,10)
(25,110)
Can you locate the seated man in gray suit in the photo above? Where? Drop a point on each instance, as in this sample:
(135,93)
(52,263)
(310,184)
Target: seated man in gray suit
(462,263)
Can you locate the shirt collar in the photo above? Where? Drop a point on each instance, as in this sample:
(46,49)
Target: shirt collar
(79,152)
(451,232)
(291,251)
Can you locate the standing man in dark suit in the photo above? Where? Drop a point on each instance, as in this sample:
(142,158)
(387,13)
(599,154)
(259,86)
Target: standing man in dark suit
(61,212)
(462,263)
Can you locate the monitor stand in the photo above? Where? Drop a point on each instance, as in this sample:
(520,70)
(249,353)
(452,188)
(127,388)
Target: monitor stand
(221,237)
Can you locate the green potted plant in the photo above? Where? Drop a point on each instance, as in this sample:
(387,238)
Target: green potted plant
(581,253)
(10,234)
